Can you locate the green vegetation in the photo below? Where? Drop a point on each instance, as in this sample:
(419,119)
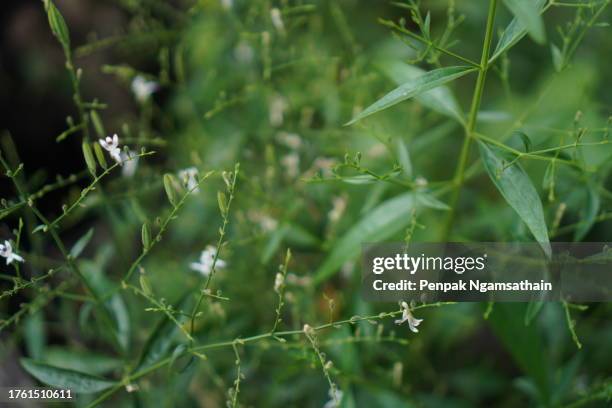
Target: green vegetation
(208,254)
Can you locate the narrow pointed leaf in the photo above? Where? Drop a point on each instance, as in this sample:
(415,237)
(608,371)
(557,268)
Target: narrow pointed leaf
(440,99)
(515,31)
(381,223)
(528,13)
(518,191)
(80,245)
(67,379)
(403,156)
(80,360)
(414,87)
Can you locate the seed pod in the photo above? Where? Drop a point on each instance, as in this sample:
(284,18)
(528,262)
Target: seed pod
(222,200)
(169,184)
(57,24)
(100,155)
(89,159)
(146,235)
(144,285)
(97,123)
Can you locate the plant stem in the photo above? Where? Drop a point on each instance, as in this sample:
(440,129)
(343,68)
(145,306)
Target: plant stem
(473,116)
(252,339)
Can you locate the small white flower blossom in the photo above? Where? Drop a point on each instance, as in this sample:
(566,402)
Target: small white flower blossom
(335,398)
(338,207)
(277,20)
(189,178)
(308,330)
(278,106)
(227,4)
(293,279)
(291,140)
(279,281)
(143,88)
(265,222)
(378,150)
(111,145)
(420,181)
(207,257)
(131,163)
(408,317)
(324,165)
(132,387)
(6,251)
(244,53)
(291,162)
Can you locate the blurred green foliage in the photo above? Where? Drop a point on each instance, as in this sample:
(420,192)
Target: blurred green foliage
(270,85)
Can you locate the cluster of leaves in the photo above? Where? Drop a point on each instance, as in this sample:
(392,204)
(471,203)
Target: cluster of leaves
(270,88)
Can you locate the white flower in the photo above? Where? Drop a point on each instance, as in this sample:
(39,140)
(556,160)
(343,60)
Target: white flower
(111,145)
(279,281)
(6,250)
(291,140)
(132,387)
(335,396)
(293,279)
(143,88)
(131,163)
(227,4)
(420,181)
(277,20)
(265,222)
(308,330)
(189,177)
(278,106)
(244,53)
(325,165)
(291,162)
(339,205)
(408,317)
(207,259)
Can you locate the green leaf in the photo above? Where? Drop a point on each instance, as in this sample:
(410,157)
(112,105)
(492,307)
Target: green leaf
(35,334)
(523,342)
(114,307)
(414,87)
(403,156)
(533,310)
(57,24)
(528,13)
(513,33)
(70,359)
(440,99)
(80,245)
(589,212)
(63,378)
(381,223)
(518,191)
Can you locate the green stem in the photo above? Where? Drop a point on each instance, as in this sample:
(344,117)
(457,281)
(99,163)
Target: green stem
(230,343)
(473,116)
